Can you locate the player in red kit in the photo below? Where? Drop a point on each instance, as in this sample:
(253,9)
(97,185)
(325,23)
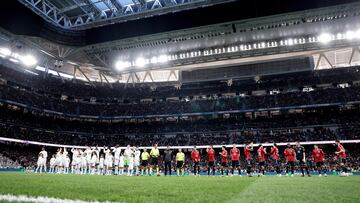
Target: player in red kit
(318,157)
(274,152)
(341,156)
(247,152)
(224,161)
(261,158)
(211,159)
(195,157)
(235,159)
(290,159)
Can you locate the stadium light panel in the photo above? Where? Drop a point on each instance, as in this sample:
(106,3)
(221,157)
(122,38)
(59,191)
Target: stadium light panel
(154,59)
(290,42)
(358,34)
(121,65)
(140,62)
(350,35)
(28,60)
(324,38)
(5,52)
(162,59)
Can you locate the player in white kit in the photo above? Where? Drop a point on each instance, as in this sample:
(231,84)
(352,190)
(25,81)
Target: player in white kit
(101,165)
(41,164)
(137,154)
(74,161)
(121,164)
(64,161)
(58,161)
(66,164)
(93,163)
(83,163)
(88,152)
(109,159)
(130,170)
(116,151)
(52,164)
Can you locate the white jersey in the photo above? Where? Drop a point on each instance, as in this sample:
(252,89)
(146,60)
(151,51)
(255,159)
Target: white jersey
(93,160)
(75,153)
(52,161)
(41,161)
(101,162)
(107,153)
(121,161)
(117,152)
(131,163)
(58,159)
(128,153)
(137,154)
(67,162)
(44,154)
(109,161)
(83,162)
(88,155)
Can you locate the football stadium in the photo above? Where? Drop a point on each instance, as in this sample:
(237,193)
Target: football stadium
(179,101)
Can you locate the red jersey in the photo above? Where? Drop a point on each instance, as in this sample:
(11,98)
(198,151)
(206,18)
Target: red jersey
(247,153)
(289,154)
(195,155)
(261,154)
(318,155)
(341,148)
(235,154)
(211,155)
(274,153)
(224,156)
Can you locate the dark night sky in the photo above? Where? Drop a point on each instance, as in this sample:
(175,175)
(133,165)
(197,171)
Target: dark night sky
(20,20)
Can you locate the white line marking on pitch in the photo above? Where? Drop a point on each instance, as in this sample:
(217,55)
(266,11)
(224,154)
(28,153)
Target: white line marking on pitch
(40,199)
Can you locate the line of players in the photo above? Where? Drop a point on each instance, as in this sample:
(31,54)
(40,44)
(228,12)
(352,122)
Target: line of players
(112,161)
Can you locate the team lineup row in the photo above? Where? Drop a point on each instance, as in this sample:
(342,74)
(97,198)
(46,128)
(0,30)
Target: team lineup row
(111,160)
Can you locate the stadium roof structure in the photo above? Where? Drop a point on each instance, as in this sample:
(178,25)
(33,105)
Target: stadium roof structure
(328,37)
(84,14)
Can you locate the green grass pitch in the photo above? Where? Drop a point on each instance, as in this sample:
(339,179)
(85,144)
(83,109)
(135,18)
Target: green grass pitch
(183,189)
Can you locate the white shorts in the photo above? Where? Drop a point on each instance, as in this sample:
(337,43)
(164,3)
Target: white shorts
(116,162)
(109,164)
(121,164)
(58,162)
(41,162)
(137,162)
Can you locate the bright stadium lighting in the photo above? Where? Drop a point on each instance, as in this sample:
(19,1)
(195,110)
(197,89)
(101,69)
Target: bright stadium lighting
(121,65)
(350,35)
(162,59)
(28,60)
(154,59)
(140,62)
(358,34)
(290,42)
(324,38)
(5,51)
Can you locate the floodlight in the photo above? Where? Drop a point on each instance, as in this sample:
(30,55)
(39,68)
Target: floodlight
(324,38)
(290,42)
(358,34)
(28,60)
(154,59)
(5,51)
(140,62)
(162,59)
(350,34)
(121,65)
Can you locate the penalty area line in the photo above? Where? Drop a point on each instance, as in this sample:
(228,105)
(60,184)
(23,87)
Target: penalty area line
(42,199)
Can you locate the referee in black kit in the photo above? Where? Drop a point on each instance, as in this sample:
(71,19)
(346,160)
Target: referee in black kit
(167,157)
